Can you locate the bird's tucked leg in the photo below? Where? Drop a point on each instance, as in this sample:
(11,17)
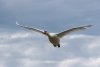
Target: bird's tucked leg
(54,45)
(58,45)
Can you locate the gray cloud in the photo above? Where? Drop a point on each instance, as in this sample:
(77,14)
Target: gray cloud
(44,14)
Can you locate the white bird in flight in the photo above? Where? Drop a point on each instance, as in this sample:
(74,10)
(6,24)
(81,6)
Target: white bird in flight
(55,38)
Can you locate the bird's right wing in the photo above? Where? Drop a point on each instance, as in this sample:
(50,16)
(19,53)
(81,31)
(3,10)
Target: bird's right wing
(62,34)
(30,28)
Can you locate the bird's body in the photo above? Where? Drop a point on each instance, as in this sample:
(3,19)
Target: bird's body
(53,37)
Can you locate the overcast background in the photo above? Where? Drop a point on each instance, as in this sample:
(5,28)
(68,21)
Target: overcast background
(23,48)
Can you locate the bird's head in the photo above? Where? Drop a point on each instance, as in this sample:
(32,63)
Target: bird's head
(45,32)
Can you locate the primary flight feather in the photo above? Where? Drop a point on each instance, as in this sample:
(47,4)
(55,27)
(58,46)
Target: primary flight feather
(55,38)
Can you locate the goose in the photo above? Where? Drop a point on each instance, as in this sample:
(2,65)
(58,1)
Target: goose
(55,38)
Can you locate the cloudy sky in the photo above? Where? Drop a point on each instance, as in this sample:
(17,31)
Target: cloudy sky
(23,48)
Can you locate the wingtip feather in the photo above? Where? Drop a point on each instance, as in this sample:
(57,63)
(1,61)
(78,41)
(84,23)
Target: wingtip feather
(89,26)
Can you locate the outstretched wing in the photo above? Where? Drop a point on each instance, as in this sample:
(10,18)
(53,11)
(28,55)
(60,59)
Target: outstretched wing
(60,35)
(30,28)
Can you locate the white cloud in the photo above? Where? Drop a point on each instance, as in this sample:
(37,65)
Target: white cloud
(69,62)
(95,43)
(2,63)
(28,63)
(24,51)
(80,36)
(3,46)
(15,35)
(92,62)
(80,62)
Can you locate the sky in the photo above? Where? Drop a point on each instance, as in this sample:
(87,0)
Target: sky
(23,48)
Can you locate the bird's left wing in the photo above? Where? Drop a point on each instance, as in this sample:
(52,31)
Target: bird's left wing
(30,28)
(60,35)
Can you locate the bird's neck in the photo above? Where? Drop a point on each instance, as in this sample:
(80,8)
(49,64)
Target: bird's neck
(48,35)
